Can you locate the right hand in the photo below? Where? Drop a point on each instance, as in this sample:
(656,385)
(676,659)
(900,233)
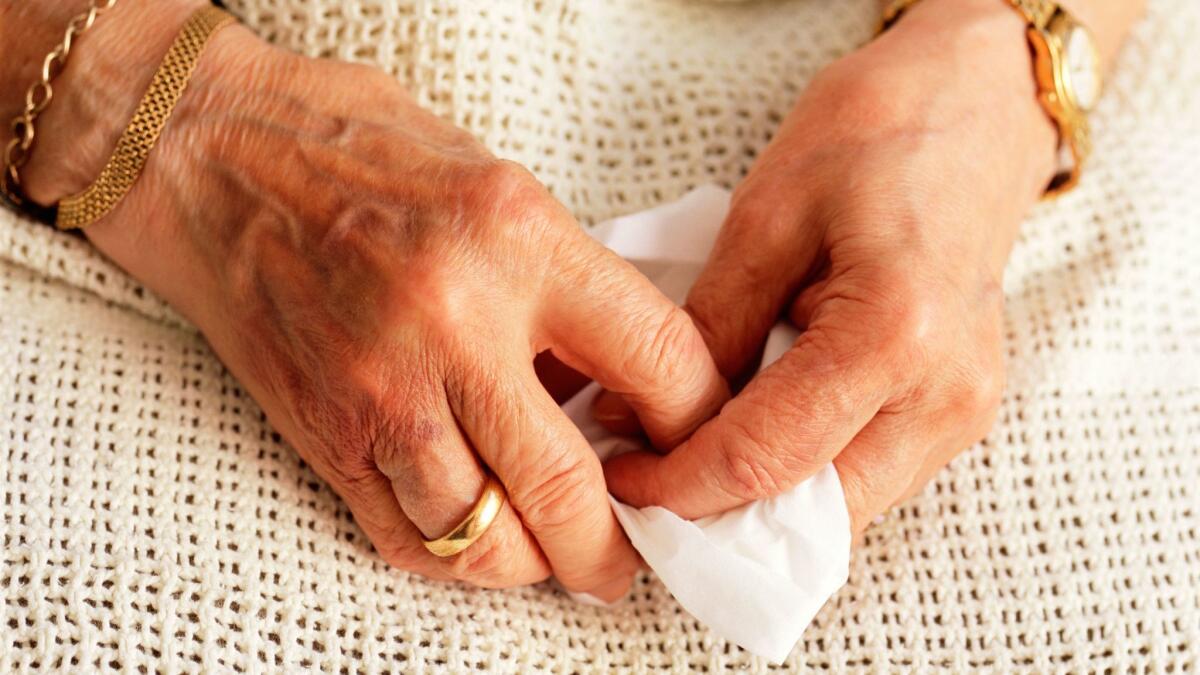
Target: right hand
(381,284)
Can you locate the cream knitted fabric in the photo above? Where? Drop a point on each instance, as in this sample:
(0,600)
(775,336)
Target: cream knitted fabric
(152,520)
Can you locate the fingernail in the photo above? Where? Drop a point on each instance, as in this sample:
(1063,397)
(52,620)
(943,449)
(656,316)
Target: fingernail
(615,414)
(589,599)
(613,592)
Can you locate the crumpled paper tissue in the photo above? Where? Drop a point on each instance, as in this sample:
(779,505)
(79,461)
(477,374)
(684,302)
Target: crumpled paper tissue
(757,574)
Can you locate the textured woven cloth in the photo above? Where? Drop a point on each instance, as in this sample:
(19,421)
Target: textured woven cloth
(152,520)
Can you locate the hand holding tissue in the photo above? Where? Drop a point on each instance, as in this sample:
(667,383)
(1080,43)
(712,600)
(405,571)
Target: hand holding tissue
(757,574)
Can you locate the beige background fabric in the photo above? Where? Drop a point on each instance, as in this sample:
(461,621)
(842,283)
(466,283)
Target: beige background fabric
(153,521)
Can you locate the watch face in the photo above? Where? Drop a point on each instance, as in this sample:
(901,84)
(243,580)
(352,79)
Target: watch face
(1081,66)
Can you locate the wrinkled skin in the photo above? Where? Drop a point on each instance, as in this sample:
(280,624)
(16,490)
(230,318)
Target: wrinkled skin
(381,285)
(878,220)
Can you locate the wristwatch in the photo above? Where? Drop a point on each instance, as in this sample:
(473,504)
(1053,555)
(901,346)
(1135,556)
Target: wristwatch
(1066,66)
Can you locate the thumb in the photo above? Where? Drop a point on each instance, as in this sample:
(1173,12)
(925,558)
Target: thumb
(790,420)
(759,261)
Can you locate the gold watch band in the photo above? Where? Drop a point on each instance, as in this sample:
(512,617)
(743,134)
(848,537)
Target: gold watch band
(892,12)
(1045,20)
(1036,12)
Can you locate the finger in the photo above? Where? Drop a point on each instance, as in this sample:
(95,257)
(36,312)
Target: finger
(369,495)
(919,481)
(352,472)
(756,266)
(789,422)
(437,479)
(880,464)
(603,318)
(614,414)
(938,455)
(553,479)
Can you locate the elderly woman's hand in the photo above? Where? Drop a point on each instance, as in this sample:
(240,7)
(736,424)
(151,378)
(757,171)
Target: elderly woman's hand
(879,220)
(381,285)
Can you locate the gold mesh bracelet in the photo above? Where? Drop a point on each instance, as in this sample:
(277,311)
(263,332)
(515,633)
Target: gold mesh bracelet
(139,137)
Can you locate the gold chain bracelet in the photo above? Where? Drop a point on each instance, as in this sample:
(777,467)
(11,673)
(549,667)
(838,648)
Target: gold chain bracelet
(36,99)
(138,139)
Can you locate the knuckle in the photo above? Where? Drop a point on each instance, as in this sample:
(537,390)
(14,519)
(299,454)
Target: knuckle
(398,550)
(498,186)
(353,474)
(665,353)
(398,445)
(755,215)
(748,478)
(751,469)
(484,563)
(983,391)
(503,208)
(347,457)
(556,497)
(429,302)
(909,324)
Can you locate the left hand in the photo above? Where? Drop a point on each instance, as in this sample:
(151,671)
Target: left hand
(879,221)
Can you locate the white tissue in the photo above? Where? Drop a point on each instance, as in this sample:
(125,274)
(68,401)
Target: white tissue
(758,574)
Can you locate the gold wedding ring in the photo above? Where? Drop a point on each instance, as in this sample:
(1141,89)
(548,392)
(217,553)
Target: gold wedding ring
(474,525)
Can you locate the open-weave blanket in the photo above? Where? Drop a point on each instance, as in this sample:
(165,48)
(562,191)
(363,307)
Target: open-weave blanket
(151,519)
